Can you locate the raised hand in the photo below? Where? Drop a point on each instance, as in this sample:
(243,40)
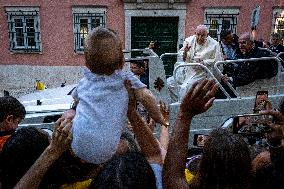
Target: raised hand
(61,136)
(186,49)
(199,98)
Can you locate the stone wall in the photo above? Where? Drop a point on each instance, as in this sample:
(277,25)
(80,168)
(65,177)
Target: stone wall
(21,79)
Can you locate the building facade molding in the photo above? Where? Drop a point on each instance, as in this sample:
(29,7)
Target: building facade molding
(154,10)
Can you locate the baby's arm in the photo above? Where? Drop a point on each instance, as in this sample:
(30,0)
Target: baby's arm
(148,100)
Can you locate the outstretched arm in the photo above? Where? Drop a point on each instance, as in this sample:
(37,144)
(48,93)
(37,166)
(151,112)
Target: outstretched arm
(198,100)
(146,140)
(61,139)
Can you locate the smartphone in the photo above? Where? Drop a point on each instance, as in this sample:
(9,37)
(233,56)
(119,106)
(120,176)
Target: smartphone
(261,99)
(252,124)
(199,140)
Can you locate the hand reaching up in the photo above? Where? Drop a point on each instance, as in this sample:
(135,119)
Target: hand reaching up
(61,136)
(199,98)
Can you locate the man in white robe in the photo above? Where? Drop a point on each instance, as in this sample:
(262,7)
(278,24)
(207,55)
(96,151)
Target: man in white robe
(199,48)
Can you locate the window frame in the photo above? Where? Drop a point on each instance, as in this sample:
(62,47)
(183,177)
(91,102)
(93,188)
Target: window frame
(24,14)
(221,14)
(278,13)
(90,14)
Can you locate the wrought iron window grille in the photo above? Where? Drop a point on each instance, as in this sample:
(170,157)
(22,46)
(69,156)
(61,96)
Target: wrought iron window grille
(216,22)
(83,24)
(278,24)
(24,31)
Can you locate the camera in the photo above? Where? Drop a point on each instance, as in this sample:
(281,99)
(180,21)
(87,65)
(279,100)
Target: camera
(252,124)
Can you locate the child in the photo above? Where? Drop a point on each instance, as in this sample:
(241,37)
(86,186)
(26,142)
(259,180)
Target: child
(101,113)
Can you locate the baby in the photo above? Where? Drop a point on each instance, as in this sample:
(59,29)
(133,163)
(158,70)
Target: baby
(101,113)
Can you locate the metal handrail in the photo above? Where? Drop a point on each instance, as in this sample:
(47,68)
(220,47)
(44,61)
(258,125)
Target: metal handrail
(250,60)
(268,50)
(182,64)
(168,54)
(279,54)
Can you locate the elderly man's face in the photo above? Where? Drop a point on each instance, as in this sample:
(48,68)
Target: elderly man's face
(245,45)
(201,36)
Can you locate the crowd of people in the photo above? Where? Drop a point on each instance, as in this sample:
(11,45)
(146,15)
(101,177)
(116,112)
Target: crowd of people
(104,142)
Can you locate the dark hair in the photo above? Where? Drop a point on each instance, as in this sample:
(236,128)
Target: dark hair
(132,144)
(130,170)
(11,106)
(19,153)
(224,34)
(272,176)
(67,169)
(103,51)
(225,162)
(139,63)
(275,36)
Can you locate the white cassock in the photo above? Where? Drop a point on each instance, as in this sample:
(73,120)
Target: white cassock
(206,54)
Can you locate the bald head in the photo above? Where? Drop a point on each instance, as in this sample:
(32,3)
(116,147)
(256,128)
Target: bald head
(201,28)
(246,37)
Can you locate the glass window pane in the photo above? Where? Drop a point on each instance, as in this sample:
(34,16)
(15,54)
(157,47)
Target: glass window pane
(83,30)
(18,22)
(214,24)
(96,22)
(30,23)
(31,41)
(225,24)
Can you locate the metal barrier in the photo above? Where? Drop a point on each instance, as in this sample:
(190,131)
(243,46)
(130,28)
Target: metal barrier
(280,54)
(217,64)
(206,70)
(168,54)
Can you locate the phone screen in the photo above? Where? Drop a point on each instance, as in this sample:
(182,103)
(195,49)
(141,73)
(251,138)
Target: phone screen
(260,101)
(199,140)
(252,124)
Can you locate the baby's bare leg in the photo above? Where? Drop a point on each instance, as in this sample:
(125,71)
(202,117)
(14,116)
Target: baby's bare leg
(148,100)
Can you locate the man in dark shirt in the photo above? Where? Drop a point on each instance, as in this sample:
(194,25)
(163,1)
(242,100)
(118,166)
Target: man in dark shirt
(276,43)
(249,71)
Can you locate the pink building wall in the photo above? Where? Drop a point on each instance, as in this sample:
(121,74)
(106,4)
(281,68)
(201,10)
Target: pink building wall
(56,27)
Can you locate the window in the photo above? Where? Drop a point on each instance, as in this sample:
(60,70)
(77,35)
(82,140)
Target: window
(220,19)
(278,21)
(23,25)
(85,19)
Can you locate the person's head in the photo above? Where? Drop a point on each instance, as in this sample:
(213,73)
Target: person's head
(103,51)
(20,152)
(275,39)
(272,175)
(68,169)
(225,162)
(11,113)
(246,43)
(130,170)
(226,37)
(151,45)
(137,67)
(201,32)
(127,144)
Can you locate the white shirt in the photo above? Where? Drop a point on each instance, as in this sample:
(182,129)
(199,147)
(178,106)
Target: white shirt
(101,114)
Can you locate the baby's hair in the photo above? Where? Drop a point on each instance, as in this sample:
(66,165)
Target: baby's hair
(103,51)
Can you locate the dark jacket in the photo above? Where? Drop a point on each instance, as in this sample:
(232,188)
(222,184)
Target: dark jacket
(247,72)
